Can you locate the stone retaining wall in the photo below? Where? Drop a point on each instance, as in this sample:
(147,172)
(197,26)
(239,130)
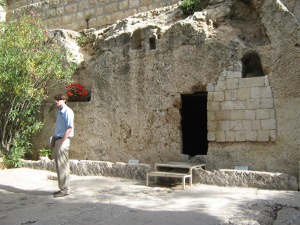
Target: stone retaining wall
(254,179)
(78,15)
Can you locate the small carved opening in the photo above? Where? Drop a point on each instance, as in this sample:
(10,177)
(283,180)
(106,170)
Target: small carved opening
(252,65)
(136,40)
(152,43)
(87,23)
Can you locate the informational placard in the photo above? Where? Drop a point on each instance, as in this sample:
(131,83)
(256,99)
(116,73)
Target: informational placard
(133,161)
(241,167)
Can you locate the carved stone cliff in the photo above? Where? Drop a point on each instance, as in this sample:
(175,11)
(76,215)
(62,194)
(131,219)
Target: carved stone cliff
(139,67)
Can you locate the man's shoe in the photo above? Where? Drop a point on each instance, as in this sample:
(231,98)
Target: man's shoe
(60,194)
(55,193)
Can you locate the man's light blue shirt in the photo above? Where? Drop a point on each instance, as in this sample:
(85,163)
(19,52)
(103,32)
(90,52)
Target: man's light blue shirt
(64,120)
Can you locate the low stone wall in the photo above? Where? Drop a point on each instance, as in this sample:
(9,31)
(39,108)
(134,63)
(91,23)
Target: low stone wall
(254,179)
(246,178)
(94,168)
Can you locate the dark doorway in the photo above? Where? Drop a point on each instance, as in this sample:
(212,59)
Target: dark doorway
(194,123)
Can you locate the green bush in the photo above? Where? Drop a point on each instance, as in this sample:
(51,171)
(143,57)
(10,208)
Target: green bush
(29,63)
(45,152)
(81,40)
(13,158)
(190,6)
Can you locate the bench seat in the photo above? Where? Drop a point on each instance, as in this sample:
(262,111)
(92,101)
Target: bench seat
(183,176)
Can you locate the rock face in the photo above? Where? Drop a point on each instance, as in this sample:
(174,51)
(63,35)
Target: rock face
(139,68)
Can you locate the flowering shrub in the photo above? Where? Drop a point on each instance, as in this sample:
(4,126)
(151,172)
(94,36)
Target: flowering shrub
(77,89)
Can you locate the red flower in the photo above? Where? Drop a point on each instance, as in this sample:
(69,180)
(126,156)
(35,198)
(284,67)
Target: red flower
(77,89)
(85,93)
(70,94)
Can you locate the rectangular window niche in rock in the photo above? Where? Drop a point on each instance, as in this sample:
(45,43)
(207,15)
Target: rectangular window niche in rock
(79,99)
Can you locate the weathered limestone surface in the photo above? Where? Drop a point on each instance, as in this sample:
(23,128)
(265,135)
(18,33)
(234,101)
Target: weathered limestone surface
(138,68)
(294,7)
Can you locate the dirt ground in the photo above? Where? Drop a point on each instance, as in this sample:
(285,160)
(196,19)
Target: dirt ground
(26,198)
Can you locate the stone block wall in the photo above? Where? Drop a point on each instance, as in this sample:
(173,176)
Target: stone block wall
(82,14)
(240,109)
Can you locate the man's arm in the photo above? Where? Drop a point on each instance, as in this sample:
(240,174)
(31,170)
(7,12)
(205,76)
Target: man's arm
(67,134)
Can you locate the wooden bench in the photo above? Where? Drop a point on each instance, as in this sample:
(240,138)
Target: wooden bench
(183,176)
(160,167)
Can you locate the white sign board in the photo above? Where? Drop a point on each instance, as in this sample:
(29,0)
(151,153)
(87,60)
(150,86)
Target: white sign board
(241,167)
(133,161)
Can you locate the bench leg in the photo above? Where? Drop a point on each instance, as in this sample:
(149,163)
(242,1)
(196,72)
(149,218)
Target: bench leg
(147,180)
(183,183)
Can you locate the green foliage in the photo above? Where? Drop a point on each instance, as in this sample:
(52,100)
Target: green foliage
(45,152)
(21,147)
(190,6)
(81,40)
(29,62)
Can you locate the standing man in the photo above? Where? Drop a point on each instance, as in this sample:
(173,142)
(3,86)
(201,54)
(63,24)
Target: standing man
(64,131)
